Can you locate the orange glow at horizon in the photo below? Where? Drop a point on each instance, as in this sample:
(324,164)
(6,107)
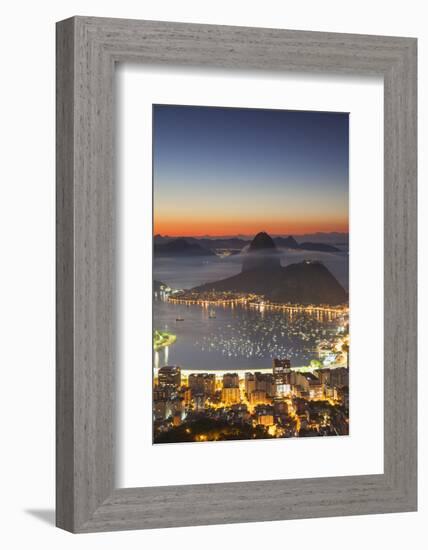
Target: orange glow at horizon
(190,228)
(230,171)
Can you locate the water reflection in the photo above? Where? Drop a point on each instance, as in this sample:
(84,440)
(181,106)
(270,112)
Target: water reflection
(240,336)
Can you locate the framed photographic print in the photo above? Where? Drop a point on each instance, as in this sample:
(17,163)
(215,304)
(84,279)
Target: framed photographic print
(236,274)
(270,327)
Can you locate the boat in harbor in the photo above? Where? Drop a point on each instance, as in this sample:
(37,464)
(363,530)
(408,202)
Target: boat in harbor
(211,314)
(179,319)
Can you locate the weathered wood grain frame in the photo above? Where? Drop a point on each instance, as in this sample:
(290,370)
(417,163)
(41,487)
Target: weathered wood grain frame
(87,50)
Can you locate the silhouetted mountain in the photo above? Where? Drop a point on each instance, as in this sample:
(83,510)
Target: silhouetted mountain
(332,237)
(286,242)
(181,247)
(306,282)
(233,242)
(239,243)
(290,242)
(261,254)
(160,239)
(205,242)
(320,247)
(262,241)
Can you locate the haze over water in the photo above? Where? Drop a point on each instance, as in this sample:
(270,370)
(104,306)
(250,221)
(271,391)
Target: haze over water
(238,337)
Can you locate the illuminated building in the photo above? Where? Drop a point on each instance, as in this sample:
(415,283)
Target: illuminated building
(174,407)
(202,383)
(250,383)
(159,409)
(169,377)
(339,377)
(264,382)
(343,395)
(240,412)
(280,407)
(187,396)
(281,376)
(159,394)
(199,402)
(330,392)
(300,380)
(301,406)
(257,397)
(324,375)
(259,381)
(231,380)
(308,383)
(230,395)
(316,390)
(209,384)
(265,419)
(264,415)
(303,420)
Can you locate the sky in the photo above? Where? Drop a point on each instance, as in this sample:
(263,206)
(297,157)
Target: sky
(229,171)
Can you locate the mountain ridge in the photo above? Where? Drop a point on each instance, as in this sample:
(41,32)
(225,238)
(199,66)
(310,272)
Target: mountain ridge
(181,247)
(239,243)
(306,282)
(300,283)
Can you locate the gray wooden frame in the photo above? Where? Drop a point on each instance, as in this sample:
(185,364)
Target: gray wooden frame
(87,50)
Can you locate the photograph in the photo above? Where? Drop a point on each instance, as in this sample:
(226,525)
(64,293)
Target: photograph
(250,274)
(210,275)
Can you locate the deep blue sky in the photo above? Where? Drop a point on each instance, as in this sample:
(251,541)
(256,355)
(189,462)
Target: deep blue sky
(226,171)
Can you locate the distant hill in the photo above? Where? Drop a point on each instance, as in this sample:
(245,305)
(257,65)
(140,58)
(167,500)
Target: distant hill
(159,239)
(302,283)
(320,247)
(233,243)
(181,247)
(307,282)
(237,243)
(332,238)
(290,242)
(286,242)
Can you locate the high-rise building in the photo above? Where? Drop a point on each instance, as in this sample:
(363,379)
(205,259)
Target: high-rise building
(230,395)
(159,409)
(250,383)
(281,376)
(330,392)
(199,402)
(316,390)
(257,397)
(265,415)
(159,394)
(280,407)
(160,397)
(324,375)
(187,396)
(339,377)
(230,380)
(343,395)
(174,407)
(265,382)
(169,377)
(202,383)
(259,381)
